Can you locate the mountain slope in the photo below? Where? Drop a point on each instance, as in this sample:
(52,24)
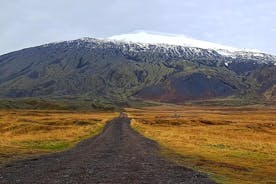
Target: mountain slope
(116,70)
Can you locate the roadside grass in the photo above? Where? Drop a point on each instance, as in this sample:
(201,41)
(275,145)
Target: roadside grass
(231,145)
(30,132)
(46,145)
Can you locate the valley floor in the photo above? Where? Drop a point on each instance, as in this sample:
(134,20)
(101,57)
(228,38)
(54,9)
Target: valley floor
(229,144)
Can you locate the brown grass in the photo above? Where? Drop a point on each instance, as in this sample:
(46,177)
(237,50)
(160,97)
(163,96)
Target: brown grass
(233,145)
(24,133)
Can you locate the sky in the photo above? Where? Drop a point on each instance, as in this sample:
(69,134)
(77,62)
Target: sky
(239,23)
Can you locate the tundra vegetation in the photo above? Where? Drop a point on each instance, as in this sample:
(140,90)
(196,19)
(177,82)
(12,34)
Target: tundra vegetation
(231,144)
(25,133)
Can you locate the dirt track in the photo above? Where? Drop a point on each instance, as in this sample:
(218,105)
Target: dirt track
(117,155)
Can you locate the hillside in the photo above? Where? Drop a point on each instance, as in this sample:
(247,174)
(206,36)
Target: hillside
(116,71)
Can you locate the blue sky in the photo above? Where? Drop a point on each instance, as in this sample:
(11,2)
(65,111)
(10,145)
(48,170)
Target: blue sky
(238,23)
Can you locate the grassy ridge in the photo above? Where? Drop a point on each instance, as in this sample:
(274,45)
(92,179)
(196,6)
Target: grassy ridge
(233,145)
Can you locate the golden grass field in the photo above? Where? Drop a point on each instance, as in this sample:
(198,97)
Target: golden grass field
(232,145)
(31,132)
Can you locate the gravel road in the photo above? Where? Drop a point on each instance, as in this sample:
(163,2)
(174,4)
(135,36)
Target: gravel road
(117,155)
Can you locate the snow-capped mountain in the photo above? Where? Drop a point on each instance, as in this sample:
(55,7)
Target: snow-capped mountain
(164,68)
(172,46)
(197,47)
(179,40)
